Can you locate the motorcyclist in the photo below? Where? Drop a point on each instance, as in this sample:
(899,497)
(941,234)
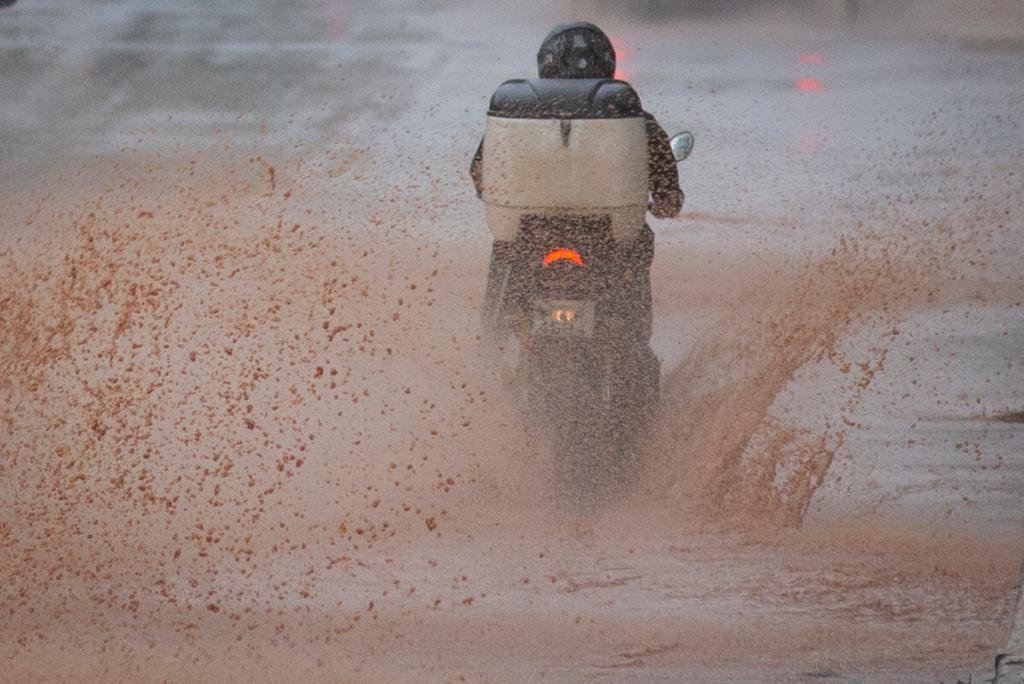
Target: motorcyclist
(581,50)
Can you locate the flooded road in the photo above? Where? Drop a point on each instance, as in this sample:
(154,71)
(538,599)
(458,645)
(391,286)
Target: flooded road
(246,433)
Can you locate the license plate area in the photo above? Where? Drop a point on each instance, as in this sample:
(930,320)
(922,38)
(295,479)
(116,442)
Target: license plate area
(563,318)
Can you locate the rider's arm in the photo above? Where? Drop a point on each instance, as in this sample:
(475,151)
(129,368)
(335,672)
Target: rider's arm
(476,169)
(662,174)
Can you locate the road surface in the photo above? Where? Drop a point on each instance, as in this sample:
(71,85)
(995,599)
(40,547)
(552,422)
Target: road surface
(246,433)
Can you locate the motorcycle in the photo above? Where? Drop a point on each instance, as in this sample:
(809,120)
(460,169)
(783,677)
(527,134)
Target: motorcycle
(570,317)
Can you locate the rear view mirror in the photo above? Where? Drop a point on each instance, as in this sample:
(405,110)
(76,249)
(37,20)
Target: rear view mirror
(682,145)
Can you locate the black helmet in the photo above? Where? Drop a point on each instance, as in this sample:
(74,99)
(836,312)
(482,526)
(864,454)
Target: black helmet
(576,50)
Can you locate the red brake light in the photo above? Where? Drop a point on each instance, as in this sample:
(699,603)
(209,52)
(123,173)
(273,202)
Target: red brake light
(563,254)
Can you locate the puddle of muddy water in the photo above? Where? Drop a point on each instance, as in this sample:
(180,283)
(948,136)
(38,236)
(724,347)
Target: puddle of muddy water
(225,411)
(243,418)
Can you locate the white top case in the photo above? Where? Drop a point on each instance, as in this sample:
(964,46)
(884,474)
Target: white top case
(573,166)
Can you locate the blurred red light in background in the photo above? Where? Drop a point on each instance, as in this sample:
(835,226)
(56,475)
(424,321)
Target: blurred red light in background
(809,85)
(621,73)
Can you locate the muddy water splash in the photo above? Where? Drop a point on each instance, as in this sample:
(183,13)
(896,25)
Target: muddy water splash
(205,370)
(718,441)
(241,420)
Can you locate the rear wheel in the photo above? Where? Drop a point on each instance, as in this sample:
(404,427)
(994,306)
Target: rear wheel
(587,448)
(591,408)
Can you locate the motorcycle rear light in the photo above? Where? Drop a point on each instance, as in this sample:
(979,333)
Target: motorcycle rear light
(563,254)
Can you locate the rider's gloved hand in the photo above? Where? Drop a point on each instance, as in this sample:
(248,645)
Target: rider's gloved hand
(668,205)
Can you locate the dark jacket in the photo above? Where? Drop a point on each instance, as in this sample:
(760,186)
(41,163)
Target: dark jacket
(662,174)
